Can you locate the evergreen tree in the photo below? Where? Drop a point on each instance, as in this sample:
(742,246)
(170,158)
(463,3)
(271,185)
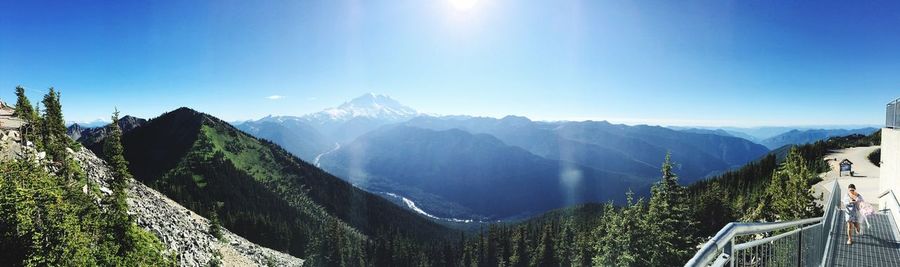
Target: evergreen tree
(215,227)
(115,158)
(25,111)
(114,154)
(37,129)
(23,108)
(669,219)
(622,238)
(790,195)
(563,244)
(54,128)
(712,209)
(583,250)
(519,247)
(543,252)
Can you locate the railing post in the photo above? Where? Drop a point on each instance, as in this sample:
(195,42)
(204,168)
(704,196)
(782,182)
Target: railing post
(730,249)
(800,247)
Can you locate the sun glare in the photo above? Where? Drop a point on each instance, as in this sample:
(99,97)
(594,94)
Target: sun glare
(463,5)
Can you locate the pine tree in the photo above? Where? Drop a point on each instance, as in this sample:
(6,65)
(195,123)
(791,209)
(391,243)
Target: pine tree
(563,244)
(712,209)
(519,248)
(669,219)
(790,195)
(115,158)
(622,238)
(115,154)
(637,236)
(54,128)
(215,227)
(543,252)
(25,111)
(37,129)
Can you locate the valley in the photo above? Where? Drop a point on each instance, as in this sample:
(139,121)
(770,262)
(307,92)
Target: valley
(403,151)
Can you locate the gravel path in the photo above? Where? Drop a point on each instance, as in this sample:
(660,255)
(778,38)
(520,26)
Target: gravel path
(865,177)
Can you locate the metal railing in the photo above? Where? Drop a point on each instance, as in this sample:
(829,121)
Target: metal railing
(803,242)
(891,203)
(892,114)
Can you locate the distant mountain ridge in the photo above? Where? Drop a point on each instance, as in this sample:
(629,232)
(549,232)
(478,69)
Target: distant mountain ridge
(710,131)
(759,134)
(627,149)
(89,124)
(800,137)
(91,136)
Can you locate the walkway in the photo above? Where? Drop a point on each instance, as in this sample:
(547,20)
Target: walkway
(879,246)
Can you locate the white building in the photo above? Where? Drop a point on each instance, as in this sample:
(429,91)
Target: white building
(890,160)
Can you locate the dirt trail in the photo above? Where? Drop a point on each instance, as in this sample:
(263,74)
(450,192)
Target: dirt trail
(865,174)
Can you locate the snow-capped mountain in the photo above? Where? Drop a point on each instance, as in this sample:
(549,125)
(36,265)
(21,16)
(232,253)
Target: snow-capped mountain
(371,106)
(321,131)
(276,119)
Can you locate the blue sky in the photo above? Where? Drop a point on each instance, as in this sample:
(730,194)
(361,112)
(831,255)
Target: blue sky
(712,62)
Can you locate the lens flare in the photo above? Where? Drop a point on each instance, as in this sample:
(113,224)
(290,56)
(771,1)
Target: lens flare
(463,5)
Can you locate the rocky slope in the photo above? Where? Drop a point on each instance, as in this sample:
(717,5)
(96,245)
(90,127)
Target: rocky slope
(185,233)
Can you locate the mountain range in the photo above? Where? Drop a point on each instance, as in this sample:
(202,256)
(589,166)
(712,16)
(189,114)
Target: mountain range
(451,165)
(777,136)
(621,148)
(91,136)
(800,137)
(89,124)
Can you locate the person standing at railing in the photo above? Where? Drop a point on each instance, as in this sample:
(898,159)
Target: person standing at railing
(854,204)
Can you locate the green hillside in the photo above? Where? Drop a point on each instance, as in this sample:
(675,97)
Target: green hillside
(267,195)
